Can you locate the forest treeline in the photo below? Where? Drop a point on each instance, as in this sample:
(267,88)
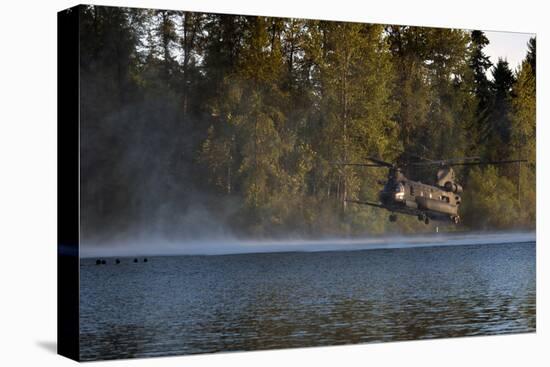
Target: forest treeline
(207,124)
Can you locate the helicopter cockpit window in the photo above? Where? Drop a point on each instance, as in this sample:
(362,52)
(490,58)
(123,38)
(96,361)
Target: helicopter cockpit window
(399,188)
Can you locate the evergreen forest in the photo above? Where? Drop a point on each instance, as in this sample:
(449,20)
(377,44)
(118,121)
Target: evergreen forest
(200,124)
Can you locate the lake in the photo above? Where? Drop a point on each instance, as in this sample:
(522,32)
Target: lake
(202,304)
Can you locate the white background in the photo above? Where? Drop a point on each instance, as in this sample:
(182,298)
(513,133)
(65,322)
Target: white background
(28,183)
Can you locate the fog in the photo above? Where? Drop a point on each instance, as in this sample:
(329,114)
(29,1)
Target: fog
(220,246)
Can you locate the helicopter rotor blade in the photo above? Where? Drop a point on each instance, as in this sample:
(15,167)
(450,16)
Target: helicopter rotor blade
(416,156)
(363,202)
(467,161)
(380,162)
(445,162)
(487,162)
(413,155)
(360,164)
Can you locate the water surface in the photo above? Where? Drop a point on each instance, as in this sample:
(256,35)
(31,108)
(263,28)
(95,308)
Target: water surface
(200,304)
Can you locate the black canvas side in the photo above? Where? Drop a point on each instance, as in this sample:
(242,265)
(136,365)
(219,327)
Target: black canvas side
(68,183)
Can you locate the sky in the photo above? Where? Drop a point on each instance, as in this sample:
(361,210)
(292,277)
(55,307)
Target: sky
(508,45)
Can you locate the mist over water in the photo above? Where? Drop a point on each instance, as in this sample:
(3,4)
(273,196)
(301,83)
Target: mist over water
(224,246)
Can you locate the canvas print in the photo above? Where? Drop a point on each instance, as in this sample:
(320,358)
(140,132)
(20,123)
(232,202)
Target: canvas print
(239,183)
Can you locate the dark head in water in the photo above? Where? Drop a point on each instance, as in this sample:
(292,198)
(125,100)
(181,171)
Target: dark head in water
(440,200)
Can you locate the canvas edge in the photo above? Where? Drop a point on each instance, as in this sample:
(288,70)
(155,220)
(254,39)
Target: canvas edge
(68,181)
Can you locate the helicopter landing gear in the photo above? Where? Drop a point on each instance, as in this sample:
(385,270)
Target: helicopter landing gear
(455,219)
(393,217)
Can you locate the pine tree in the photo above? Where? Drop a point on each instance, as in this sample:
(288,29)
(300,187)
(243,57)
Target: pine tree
(480,64)
(409,49)
(532,54)
(501,87)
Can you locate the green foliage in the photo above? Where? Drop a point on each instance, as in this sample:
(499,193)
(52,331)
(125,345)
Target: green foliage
(490,200)
(523,115)
(498,130)
(523,140)
(532,54)
(479,64)
(355,81)
(247,116)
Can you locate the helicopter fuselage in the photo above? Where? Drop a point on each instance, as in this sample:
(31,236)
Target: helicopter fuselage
(425,201)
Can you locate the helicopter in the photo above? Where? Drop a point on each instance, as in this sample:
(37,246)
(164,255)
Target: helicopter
(439,201)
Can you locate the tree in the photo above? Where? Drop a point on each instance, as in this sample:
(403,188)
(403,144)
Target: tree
(256,121)
(354,79)
(479,64)
(220,96)
(499,134)
(251,116)
(532,54)
(523,140)
(107,58)
(490,200)
(432,91)
(410,50)
(168,39)
(452,105)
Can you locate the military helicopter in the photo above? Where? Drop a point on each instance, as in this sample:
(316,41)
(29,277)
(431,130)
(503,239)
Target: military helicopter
(440,201)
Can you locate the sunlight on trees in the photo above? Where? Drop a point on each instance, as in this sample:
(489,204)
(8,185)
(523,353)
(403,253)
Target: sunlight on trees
(246,116)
